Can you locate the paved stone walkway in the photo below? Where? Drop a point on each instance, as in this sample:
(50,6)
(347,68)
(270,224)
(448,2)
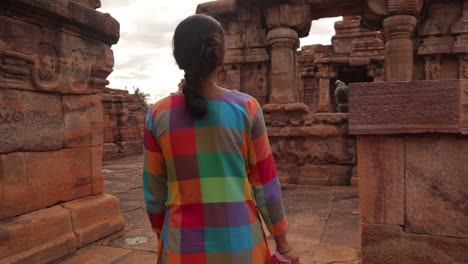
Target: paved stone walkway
(323,222)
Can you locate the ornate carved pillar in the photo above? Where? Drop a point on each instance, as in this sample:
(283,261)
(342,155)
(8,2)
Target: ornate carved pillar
(284,42)
(399,51)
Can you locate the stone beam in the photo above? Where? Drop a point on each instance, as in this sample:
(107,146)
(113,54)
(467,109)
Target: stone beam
(409,107)
(297,17)
(215,8)
(331,8)
(74,15)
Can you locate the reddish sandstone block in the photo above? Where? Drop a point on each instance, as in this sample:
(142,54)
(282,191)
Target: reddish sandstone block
(11,120)
(388,244)
(409,107)
(38,237)
(83,120)
(30,121)
(110,151)
(131,147)
(95,217)
(436,185)
(43,122)
(381,179)
(34,180)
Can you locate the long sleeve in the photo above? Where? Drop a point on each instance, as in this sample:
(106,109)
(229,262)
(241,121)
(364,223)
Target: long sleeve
(154,176)
(262,174)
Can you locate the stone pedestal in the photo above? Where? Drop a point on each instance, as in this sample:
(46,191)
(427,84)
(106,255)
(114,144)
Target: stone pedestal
(284,43)
(399,51)
(51,128)
(412,147)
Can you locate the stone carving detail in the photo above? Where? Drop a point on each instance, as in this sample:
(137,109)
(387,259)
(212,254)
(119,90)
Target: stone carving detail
(463,68)
(341,96)
(48,63)
(431,29)
(77,64)
(432,68)
(404,6)
(462,24)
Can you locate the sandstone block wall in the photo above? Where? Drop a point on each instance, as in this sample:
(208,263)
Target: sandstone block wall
(412,170)
(124,120)
(55,57)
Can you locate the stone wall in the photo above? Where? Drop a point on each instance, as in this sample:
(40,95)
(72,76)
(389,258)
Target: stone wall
(124,120)
(55,57)
(412,155)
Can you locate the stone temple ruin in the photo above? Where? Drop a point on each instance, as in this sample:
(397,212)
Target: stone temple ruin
(55,57)
(410,118)
(401,133)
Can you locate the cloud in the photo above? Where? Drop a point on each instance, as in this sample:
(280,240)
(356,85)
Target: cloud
(143,56)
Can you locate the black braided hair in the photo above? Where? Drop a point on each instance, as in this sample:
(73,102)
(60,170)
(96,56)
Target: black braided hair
(198,50)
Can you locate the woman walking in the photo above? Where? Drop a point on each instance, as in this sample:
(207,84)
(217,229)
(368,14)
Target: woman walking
(208,168)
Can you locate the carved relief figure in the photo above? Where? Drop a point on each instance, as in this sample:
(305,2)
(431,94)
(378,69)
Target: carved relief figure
(341,96)
(432,68)
(77,63)
(48,62)
(260,80)
(47,70)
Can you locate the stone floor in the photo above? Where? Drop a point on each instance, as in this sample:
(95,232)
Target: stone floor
(323,222)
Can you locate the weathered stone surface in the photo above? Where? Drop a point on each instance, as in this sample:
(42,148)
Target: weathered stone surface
(123,121)
(39,237)
(436,185)
(30,121)
(83,121)
(95,217)
(43,122)
(33,180)
(68,66)
(11,120)
(97,254)
(388,244)
(217,7)
(94,4)
(313,150)
(381,179)
(98,25)
(406,107)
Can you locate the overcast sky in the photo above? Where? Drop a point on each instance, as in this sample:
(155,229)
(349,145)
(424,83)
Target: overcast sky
(143,56)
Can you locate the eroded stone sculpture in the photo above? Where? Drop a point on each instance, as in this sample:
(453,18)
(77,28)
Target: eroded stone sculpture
(341,96)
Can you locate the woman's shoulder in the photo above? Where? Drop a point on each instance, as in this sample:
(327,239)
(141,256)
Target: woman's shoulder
(160,106)
(241,98)
(244,100)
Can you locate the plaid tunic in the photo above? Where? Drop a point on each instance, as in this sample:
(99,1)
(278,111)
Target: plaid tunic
(205,180)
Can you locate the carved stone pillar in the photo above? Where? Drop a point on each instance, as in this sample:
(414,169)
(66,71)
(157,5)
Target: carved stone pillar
(284,42)
(399,47)
(324,102)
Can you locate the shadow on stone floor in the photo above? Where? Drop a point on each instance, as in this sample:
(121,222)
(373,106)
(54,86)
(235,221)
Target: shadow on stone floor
(323,222)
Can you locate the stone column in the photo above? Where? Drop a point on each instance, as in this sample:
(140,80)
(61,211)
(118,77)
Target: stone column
(284,43)
(399,47)
(324,101)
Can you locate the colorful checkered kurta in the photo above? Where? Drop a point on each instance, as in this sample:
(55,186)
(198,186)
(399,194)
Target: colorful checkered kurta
(205,180)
